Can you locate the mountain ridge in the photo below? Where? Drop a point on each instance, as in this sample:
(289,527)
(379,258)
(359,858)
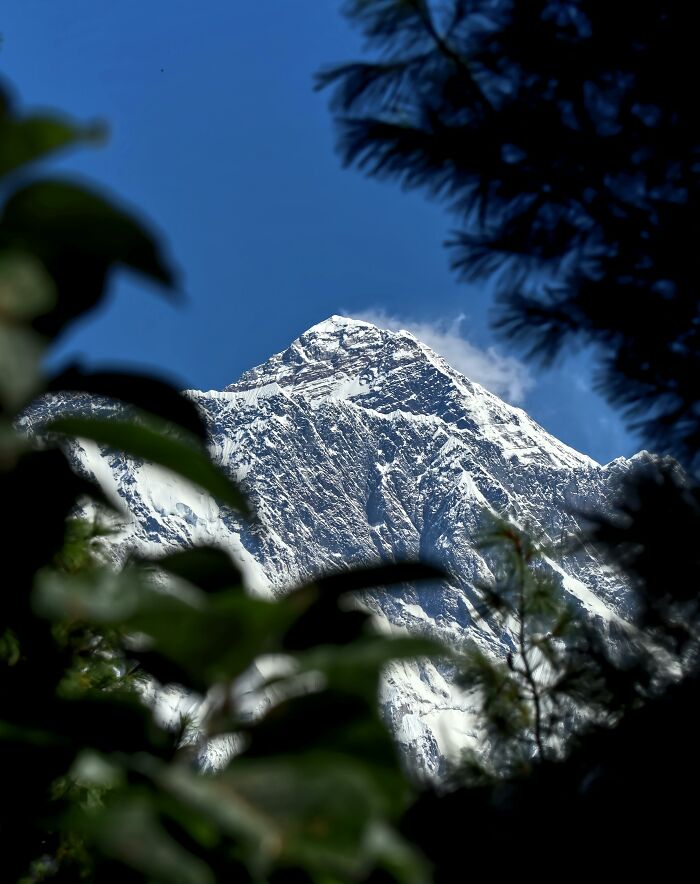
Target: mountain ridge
(358,445)
(325,340)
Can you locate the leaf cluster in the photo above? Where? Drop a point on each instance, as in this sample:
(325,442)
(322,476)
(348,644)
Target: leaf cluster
(564,138)
(98,786)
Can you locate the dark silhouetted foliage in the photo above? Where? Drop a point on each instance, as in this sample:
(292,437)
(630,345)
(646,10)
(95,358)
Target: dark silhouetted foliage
(564,136)
(95,787)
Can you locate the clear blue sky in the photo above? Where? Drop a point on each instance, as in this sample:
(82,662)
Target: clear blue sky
(218,137)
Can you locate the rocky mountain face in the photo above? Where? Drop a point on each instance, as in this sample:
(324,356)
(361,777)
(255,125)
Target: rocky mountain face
(358,444)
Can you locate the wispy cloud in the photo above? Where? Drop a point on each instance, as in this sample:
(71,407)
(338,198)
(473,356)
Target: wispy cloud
(505,376)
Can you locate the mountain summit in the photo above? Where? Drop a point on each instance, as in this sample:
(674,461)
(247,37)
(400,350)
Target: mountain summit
(392,371)
(358,445)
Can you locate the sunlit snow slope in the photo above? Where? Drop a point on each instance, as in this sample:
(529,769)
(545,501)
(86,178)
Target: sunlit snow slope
(358,444)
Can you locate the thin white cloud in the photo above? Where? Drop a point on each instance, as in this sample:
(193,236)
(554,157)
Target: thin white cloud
(505,376)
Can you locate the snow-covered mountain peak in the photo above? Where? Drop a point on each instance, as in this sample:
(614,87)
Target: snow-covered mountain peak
(391,373)
(335,359)
(356,445)
(336,323)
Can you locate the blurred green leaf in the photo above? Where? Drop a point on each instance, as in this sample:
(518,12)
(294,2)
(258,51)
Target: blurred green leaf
(24,140)
(206,638)
(110,722)
(79,236)
(10,651)
(356,667)
(324,812)
(209,568)
(99,596)
(40,491)
(397,856)
(323,806)
(185,458)
(332,722)
(26,291)
(59,217)
(388,574)
(216,798)
(129,829)
(21,352)
(215,641)
(325,622)
(115,721)
(151,394)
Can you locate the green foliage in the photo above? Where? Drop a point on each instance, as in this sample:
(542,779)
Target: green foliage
(505,110)
(27,139)
(26,292)
(79,236)
(100,789)
(549,686)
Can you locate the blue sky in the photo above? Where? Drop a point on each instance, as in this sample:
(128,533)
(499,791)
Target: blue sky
(217,136)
